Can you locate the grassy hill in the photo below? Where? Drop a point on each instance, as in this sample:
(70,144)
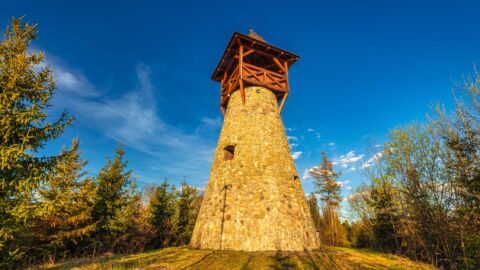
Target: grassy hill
(186,258)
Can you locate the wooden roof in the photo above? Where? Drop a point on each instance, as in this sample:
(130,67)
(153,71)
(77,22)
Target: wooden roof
(252,41)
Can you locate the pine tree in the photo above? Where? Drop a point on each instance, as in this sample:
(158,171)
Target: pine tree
(162,215)
(188,207)
(329,190)
(325,181)
(67,200)
(113,195)
(26,88)
(314,211)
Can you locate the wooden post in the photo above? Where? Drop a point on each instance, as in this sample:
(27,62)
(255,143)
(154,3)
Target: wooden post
(283,101)
(240,75)
(285,68)
(286,76)
(222,109)
(275,60)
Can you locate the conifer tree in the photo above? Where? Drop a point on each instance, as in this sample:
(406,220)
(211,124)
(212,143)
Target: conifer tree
(188,207)
(162,215)
(314,211)
(325,181)
(67,200)
(113,194)
(329,190)
(26,88)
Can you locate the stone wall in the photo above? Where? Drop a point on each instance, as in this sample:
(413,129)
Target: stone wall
(254,199)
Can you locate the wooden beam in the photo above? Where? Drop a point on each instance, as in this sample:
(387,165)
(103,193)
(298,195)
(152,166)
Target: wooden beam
(283,102)
(242,91)
(247,53)
(240,73)
(222,109)
(286,76)
(275,60)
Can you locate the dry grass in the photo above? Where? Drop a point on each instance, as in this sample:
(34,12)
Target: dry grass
(187,258)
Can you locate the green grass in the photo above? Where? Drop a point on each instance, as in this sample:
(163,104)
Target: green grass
(187,258)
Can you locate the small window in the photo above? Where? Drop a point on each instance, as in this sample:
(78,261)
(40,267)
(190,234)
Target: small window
(295,177)
(228,152)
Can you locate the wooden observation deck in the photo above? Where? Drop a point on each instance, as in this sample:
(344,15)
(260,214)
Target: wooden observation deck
(249,60)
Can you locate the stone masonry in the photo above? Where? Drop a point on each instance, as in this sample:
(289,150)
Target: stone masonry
(254,200)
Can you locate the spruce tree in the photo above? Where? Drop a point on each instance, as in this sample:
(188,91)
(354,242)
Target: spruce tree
(113,195)
(325,182)
(162,215)
(26,88)
(188,207)
(67,199)
(329,190)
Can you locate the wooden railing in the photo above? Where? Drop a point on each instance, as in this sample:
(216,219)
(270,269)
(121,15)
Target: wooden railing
(260,76)
(247,74)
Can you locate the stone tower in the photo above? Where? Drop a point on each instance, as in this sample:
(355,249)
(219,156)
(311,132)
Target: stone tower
(254,199)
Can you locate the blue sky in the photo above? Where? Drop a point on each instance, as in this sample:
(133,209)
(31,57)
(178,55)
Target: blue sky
(138,73)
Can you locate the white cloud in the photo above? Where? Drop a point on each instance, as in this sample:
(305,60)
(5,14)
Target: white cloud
(211,122)
(331,144)
(352,169)
(317,135)
(310,129)
(349,158)
(372,160)
(292,145)
(348,188)
(296,155)
(306,173)
(342,183)
(289,129)
(292,138)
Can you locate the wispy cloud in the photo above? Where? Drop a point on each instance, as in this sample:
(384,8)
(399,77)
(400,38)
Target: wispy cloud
(132,119)
(296,155)
(372,160)
(311,130)
(306,173)
(331,144)
(342,183)
(349,158)
(292,138)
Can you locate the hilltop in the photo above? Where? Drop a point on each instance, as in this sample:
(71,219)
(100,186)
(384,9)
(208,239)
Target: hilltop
(187,258)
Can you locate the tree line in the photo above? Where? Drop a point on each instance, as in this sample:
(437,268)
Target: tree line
(49,208)
(422,197)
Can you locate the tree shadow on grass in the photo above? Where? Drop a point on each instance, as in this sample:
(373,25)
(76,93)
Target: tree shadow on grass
(283,262)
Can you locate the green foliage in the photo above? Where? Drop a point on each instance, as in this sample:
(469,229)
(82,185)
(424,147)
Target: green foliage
(325,182)
(383,202)
(328,189)
(115,192)
(67,200)
(26,88)
(162,209)
(188,206)
(424,195)
(314,211)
